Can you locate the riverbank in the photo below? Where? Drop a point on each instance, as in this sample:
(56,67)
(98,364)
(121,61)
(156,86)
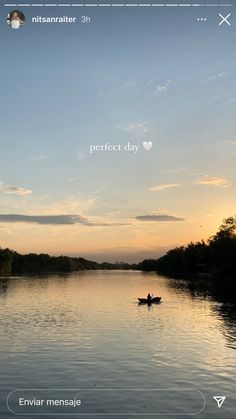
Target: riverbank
(13,263)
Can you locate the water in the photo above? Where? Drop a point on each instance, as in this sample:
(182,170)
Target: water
(86,331)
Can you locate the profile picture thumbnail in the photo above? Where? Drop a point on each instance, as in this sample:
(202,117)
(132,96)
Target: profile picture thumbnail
(15,19)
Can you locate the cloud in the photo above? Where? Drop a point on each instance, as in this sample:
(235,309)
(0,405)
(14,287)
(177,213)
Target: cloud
(232,142)
(178,170)
(163,87)
(158,218)
(71,205)
(213,181)
(73,179)
(80,155)
(132,85)
(164,186)
(141,126)
(5,230)
(213,77)
(43,219)
(40,157)
(13,190)
(63,219)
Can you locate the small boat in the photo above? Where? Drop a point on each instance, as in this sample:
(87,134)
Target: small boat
(152,301)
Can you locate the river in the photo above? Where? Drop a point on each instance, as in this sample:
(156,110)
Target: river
(86,331)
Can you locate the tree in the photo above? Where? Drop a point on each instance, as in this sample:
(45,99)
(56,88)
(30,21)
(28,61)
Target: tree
(5,262)
(216,257)
(223,249)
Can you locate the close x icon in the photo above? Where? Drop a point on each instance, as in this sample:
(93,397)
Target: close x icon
(224,19)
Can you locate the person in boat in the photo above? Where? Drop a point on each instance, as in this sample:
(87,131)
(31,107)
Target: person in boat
(149,298)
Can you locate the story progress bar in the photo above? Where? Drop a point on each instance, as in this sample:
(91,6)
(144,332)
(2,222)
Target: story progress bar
(116,5)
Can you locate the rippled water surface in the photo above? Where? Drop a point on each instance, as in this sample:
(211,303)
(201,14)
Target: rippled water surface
(86,330)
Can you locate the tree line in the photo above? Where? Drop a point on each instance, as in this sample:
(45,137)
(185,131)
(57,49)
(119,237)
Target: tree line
(13,263)
(214,258)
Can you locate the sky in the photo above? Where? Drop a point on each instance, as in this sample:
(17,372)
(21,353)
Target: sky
(133,75)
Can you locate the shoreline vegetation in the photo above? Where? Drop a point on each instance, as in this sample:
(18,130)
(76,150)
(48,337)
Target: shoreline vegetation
(15,264)
(214,259)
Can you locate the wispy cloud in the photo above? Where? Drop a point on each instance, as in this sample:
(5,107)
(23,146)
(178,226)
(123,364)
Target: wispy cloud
(164,186)
(213,77)
(73,179)
(62,219)
(43,219)
(158,218)
(5,230)
(132,85)
(80,155)
(231,142)
(177,170)
(13,190)
(163,87)
(40,157)
(137,126)
(215,181)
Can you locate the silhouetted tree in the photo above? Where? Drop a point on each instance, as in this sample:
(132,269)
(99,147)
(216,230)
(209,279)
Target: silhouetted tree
(5,262)
(217,257)
(14,263)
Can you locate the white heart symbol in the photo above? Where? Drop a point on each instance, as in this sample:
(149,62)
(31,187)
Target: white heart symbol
(147,145)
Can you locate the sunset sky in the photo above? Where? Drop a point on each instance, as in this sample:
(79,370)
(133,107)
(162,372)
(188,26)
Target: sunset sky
(126,77)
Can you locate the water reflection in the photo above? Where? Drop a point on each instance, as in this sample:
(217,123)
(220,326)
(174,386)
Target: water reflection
(87,330)
(223,294)
(227,312)
(4,283)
